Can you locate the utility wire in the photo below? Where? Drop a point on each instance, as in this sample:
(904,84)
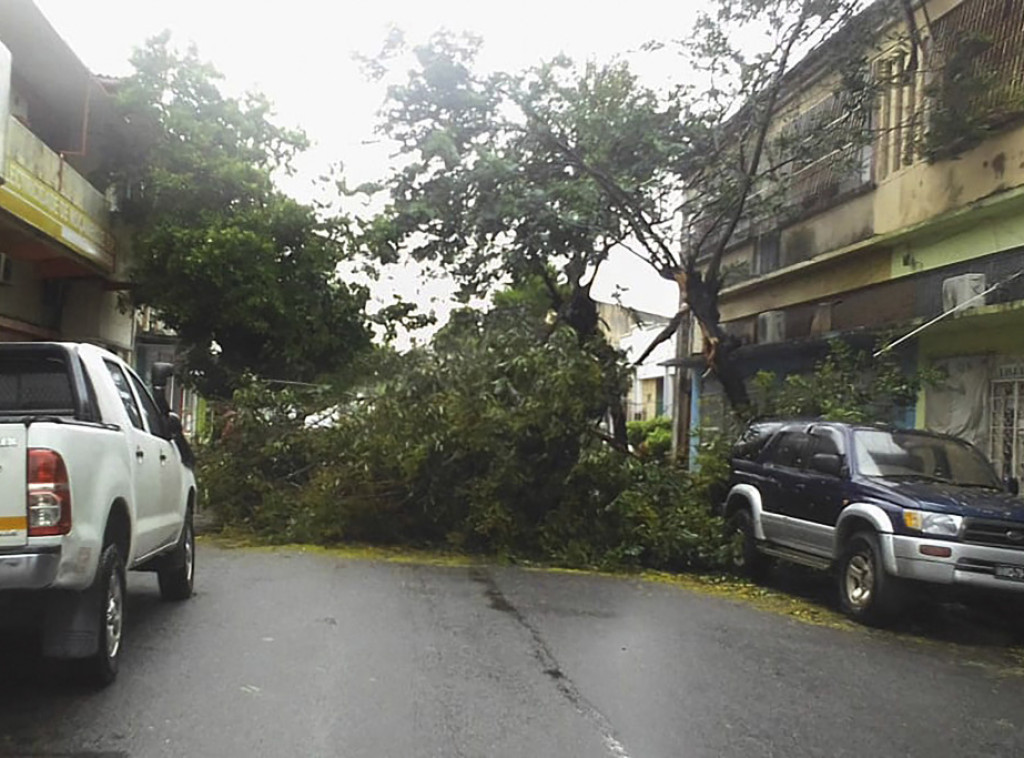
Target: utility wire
(950,312)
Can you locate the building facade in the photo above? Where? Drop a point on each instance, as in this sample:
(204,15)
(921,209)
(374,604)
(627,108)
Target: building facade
(62,256)
(923,231)
(652,384)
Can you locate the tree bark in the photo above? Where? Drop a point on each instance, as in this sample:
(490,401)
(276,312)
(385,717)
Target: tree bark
(719,345)
(580,313)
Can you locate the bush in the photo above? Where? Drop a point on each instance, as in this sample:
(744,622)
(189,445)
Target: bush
(847,385)
(486,442)
(651,438)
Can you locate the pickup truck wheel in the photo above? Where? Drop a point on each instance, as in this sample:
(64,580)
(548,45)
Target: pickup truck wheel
(176,583)
(746,558)
(101,669)
(866,592)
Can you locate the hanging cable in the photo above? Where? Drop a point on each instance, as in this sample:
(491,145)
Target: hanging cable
(943,315)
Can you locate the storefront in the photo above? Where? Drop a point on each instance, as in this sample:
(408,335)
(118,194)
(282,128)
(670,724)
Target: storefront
(1006,423)
(981,396)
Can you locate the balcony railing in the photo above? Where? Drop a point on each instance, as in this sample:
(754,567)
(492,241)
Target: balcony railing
(44,191)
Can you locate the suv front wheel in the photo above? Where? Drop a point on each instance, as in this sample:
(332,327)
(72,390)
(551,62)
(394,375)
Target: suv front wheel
(866,592)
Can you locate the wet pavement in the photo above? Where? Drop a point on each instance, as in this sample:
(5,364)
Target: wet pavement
(306,654)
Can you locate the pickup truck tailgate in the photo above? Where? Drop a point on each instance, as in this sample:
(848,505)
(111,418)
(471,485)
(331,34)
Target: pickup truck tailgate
(13,462)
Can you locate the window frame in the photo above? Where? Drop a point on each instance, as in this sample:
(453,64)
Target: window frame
(144,397)
(115,368)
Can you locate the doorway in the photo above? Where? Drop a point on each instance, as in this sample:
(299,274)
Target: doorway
(1007,427)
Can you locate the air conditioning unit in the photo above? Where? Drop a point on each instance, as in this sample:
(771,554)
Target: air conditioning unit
(821,321)
(957,290)
(771,327)
(6,269)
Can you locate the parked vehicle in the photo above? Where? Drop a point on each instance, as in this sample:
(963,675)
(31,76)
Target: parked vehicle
(95,478)
(884,508)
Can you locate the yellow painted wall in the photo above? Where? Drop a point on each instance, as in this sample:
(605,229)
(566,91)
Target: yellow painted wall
(983,234)
(832,229)
(807,283)
(923,191)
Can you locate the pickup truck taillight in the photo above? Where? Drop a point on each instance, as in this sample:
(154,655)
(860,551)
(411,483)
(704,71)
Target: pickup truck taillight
(49,496)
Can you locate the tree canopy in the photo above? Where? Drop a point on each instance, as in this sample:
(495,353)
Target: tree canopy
(506,175)
(243,274)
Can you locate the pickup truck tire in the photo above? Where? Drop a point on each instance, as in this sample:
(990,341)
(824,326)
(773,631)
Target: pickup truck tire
(866,592)
(101,669)
(747,559)
(176,582)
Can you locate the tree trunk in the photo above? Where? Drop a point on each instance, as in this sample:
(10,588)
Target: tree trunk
(681,417)
(580,313)
(719,346)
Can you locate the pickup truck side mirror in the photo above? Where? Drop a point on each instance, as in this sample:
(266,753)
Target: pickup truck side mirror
(173,423)
(1012,485)
(827,463)
(158,377)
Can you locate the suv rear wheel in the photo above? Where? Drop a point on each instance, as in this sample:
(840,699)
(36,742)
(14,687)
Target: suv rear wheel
(746,558)
(866,592)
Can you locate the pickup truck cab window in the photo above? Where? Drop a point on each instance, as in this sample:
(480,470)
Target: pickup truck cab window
(124,391)
(33,383)
(153,418)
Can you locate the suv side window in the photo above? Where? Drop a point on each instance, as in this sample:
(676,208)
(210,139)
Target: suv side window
(790,450)
(752,441)
(825,441)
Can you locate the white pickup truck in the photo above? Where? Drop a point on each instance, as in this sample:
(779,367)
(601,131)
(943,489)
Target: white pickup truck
(95,478)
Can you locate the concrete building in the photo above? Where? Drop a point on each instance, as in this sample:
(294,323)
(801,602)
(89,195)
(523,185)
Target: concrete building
(904,237)
(652,387)
(62,256)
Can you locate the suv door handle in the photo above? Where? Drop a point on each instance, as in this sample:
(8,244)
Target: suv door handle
(163,457)
(139,455)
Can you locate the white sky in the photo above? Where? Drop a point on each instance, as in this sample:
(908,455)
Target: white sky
(300,54)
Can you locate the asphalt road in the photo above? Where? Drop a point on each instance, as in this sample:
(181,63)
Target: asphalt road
(291,654)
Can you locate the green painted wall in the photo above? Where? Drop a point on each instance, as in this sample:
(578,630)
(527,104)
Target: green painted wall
(985,237)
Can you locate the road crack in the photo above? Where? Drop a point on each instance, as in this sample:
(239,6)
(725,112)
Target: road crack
(549,665)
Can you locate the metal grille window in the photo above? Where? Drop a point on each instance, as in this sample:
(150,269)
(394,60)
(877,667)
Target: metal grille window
(898,111)
(978,64)
(1007,427)
(831,158)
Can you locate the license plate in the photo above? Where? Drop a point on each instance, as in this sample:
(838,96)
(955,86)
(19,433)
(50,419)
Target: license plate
(1013,573)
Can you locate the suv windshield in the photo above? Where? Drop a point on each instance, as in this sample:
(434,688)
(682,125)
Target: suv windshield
(905,455)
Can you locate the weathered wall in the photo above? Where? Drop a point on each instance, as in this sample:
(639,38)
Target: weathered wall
(923,191)
(93,314)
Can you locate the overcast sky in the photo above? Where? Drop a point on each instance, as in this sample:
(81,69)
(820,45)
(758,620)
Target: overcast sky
(300,54)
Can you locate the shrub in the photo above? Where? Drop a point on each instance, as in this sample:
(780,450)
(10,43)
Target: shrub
(651,438)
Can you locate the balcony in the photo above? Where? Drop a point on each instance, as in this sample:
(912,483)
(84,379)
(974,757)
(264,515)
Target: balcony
(41,189)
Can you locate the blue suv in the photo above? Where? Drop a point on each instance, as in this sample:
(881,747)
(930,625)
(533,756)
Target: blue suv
(884,508)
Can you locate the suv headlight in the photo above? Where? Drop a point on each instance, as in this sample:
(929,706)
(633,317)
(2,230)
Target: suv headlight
(940,524)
